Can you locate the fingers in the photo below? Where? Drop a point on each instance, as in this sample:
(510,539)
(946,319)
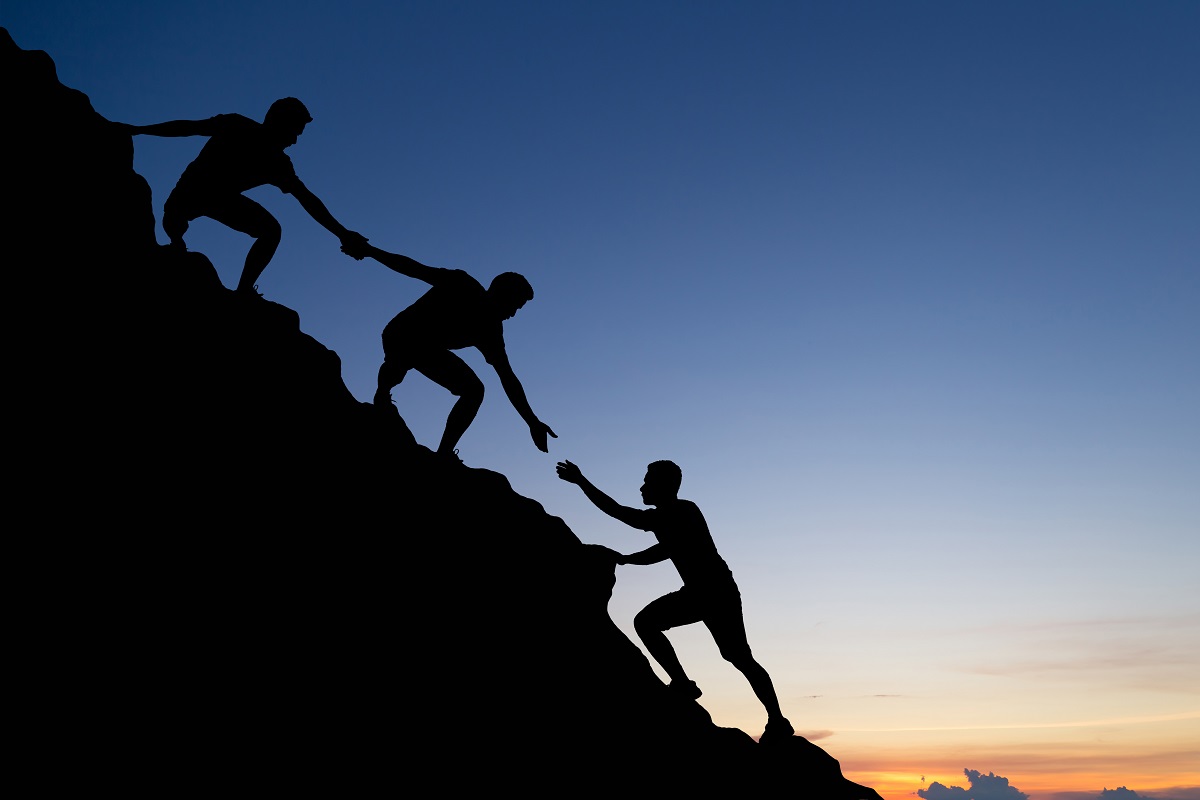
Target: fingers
(354,244)
(355,250)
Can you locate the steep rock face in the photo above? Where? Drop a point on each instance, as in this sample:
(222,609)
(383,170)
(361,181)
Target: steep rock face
(223,590)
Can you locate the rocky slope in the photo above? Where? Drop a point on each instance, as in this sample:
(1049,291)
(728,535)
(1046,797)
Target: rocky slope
(225,591)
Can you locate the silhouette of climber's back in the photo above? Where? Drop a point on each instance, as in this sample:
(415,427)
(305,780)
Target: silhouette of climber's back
(241,154)
(456,312)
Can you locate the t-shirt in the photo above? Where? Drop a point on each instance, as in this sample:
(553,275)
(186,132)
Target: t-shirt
(452,315)
(681,529)
(238,156)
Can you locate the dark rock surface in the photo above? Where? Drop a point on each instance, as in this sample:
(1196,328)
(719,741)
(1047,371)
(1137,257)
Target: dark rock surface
(233,576)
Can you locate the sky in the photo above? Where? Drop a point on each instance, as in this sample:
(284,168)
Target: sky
(909,290)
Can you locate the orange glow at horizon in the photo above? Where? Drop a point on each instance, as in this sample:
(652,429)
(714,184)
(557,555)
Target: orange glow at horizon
(901,782)
(1186,715)
(894,764)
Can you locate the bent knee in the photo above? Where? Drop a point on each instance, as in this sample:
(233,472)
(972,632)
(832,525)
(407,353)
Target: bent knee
(268,230)
(740,657)
(643,621)
(470,390)
(175,226)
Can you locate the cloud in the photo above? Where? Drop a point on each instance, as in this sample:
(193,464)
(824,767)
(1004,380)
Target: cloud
(983,787)
(1086,723)
(993,787)
(1158,653)
(813,736)
(1121,793)
(1180,793)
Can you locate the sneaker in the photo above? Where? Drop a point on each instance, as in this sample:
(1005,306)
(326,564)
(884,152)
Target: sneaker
(778,728)
(688,690)
(249,295)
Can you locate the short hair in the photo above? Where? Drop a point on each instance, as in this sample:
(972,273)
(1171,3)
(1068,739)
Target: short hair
(668,472)
(512,284)
(287,109)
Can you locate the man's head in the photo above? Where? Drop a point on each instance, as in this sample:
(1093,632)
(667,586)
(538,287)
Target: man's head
(286,119)
(662,482)
(508,292)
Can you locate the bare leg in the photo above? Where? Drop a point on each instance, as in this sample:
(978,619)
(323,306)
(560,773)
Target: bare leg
(729,632)
(460,418)
(660,648)
(390,376)
(763,688)
(175,224)
(452,373)
(257,259)
(668,611)
(243,214)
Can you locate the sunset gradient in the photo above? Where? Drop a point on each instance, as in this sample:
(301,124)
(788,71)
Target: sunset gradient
(909,290)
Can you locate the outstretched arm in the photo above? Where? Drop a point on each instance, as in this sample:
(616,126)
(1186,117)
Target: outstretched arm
(651,555)
(317,210)
(516,395)
(178,127)
(572,474)
(393,261)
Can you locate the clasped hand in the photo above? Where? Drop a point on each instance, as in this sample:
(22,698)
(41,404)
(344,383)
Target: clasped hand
(354,245)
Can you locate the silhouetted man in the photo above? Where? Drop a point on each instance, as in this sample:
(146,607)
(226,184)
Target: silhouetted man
(709,593)
(456,312)
(241,154)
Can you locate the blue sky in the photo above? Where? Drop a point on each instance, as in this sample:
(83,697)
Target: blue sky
(908,289)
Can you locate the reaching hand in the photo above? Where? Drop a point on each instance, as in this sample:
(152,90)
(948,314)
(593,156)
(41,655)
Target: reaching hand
(354,245)
(538,432)
(607,552)
(569,472)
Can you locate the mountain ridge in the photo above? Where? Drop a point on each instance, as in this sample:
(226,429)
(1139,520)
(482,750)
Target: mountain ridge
(235,591)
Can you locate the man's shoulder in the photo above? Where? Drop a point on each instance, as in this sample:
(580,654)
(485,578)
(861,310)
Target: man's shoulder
(669,517)
(683,511)
(459,276)
(234,123)
(452,286)
(644,519)
(460,282)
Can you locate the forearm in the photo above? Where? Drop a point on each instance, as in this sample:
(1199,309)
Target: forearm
(174,128)
(571,473)
(516,396)
(403,264)
(651,555)
(599,499)
(317,210)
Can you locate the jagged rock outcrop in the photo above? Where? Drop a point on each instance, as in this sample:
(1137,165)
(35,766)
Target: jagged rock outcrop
(235,576)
